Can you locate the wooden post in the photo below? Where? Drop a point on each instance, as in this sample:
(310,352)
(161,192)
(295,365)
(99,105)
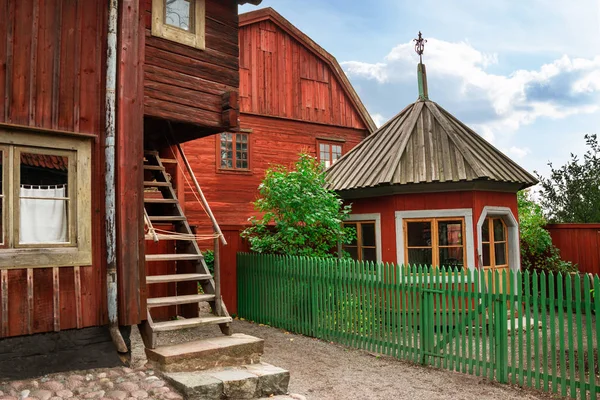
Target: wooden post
(217,278)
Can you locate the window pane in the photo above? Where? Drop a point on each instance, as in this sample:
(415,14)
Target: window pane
(450,233)
(500,253)
(486,254)
(43,204)
(353,252)
(368,234)
(369,254)
(178,13)
(419,257)
(353,226)
(452,257)
(419,233)
(485,231)
(498,230)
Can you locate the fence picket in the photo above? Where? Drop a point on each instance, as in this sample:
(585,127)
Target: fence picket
(446,318)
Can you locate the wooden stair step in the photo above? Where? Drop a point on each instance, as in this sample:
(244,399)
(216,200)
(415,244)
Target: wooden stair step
(156,184)
(162,236)
(173,257)
(153,167)
(174,300)
(177,278)
(166,218)
(159,201)
(189,323)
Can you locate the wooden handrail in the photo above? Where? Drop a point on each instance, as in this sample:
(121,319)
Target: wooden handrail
(216,227)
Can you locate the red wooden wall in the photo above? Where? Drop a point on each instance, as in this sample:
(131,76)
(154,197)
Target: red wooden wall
(52,65)
(388,205)
(279,76)
(186,84)
(578,243)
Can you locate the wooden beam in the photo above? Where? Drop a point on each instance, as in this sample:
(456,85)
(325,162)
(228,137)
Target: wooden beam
(30,300)
(56,297)
(4,287)
(230,118)
(230,100)
(77,278)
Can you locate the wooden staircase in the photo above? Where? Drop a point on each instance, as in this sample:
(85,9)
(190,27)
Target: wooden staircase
(162,206)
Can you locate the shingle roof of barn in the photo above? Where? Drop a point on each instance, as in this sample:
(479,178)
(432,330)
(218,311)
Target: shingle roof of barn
(424,144)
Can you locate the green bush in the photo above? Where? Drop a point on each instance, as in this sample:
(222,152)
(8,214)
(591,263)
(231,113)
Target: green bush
(537,251)
(209,259)
(298,215)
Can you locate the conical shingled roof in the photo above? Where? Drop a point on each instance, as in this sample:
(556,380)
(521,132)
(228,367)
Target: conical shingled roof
(424,144)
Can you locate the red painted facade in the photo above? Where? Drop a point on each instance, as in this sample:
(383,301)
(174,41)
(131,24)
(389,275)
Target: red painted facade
(291,97)
(388,205)
(578,243)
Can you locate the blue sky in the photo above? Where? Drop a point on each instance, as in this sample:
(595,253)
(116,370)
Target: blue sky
(523,74)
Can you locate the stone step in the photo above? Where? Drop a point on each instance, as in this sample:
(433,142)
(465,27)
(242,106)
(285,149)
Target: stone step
(245,382)
(221,351)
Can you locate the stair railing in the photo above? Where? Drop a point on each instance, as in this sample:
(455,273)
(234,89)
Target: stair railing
(216,229)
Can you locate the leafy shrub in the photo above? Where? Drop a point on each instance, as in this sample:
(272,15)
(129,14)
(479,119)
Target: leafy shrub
(209,259)
(537,251)
(300,216)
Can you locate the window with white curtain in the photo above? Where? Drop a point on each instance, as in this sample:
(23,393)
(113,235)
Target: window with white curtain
(45,194)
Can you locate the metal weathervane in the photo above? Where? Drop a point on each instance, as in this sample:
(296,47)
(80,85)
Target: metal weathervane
(420,46)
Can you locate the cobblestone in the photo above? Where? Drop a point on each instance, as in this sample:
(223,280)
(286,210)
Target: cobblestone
(104,384)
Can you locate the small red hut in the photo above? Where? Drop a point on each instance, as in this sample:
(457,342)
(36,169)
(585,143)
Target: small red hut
(427,190)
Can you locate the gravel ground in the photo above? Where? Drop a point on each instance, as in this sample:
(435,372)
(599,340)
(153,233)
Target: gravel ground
(323,371)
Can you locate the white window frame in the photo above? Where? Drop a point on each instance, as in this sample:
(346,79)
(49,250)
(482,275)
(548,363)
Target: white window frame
(514,251)
(193,38)
(370,217)
(78,252)
(465,213)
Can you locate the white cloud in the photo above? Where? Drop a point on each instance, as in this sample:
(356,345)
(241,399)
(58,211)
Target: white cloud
(518,152)
(379,119)
(565,87)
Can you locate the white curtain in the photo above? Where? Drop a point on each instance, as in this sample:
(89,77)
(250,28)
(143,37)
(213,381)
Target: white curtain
(43,221)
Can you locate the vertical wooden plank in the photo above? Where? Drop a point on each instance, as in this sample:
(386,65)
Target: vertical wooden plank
(4,299)
(552,307)
(33,65)
(579,335)
(56,70)
(67,73)
(526,326)
(561,333)
(570,334)
(535,330)
(544,313)
(17,301)
(4,23)
(30,301)
(56,298)
(67,301)
(21,62)
(590,340)
(44,64)
(77,283)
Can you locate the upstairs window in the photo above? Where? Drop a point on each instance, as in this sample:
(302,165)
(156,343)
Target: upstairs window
(329,153)
(45,194)
(181,21)
(234,151)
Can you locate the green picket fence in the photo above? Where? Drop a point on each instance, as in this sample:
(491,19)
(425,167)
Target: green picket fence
(533,330)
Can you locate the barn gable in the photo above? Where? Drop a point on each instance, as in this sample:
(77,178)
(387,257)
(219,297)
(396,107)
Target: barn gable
(283,73)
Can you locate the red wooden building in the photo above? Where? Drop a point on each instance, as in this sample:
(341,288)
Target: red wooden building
(92,93)
(294,96)
(579,244)
(427,190)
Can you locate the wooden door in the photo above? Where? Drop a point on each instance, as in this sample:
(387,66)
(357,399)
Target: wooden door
(494,240)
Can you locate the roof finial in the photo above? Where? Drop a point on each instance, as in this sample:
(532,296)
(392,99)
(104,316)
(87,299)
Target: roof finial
(421,73)
(420,46)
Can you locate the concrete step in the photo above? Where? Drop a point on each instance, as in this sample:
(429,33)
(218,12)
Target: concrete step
(245,382)
(221,351)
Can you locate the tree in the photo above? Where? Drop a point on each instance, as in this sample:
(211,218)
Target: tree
(572,193)
(537,251)
(300,216)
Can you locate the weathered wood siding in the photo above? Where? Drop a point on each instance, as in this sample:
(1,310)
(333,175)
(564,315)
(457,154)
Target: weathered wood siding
(272,141)
(187,85)
(281,77)
(578,243)
(52,65)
